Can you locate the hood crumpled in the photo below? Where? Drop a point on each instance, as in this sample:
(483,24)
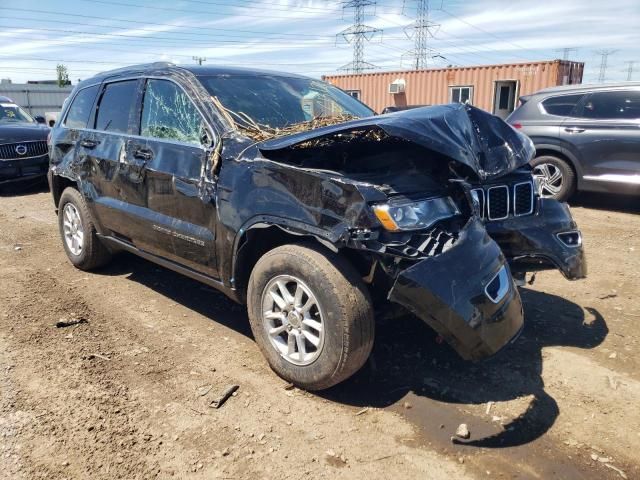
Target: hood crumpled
(466,134)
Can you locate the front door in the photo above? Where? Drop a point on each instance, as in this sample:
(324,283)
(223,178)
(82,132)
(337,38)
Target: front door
(175,142)
(504,98)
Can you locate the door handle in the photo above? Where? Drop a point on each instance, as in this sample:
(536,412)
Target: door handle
(574,130)
(89,143)
(143,154)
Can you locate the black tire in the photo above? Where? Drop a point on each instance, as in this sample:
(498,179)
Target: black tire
(347,318)
(568,180)
(93,253)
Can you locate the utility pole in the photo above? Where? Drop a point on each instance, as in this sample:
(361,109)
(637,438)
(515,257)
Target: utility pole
(630,70)
(566,52)
(604,54)
(357,34)
(199,60)
(420,31)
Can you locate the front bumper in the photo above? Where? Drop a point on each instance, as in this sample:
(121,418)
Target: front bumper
(452,292)
(23,169)
(531,242)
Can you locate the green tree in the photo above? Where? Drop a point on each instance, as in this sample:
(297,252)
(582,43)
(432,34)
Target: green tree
(63,75)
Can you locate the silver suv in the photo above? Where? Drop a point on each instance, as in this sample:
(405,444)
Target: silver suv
(587,137)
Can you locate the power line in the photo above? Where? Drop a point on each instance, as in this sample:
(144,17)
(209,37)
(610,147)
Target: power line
(357,33)
(420,31)
(147,23)
(604,56)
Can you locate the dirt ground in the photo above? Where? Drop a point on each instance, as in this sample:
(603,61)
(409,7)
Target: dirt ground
(125,394)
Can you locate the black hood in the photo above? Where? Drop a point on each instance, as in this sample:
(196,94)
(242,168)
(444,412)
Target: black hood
(463,133)
(22,132)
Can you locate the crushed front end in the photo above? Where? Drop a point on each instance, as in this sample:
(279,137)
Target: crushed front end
(534,233)
(449,216)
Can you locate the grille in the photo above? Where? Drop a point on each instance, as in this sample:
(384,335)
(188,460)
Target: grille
(33,149)
(498,202)
(522,198)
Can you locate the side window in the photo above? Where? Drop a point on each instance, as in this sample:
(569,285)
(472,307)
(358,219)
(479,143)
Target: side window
(80,108)
(115,105)
(619,105)
(461,95)
(168,113)
(562,105)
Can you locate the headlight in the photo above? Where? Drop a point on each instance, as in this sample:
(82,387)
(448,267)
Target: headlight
(415,215)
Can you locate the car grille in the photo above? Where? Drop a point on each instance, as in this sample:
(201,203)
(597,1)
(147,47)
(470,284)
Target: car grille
(501,201)
(31,149)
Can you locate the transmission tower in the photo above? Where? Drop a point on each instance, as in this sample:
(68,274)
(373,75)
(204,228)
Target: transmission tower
(199,60)
(357,34)
(631,63)
(604,54)
(420,31)
(566,52)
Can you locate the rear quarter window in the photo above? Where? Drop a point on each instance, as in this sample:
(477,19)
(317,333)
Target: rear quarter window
(80,108)
(563,105)
(115,106)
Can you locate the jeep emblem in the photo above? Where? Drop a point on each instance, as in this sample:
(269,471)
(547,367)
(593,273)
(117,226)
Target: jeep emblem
(21,149)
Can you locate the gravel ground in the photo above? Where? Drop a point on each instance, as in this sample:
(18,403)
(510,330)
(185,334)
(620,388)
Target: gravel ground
(125,393)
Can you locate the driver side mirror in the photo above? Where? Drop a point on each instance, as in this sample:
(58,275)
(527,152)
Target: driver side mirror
(39,119)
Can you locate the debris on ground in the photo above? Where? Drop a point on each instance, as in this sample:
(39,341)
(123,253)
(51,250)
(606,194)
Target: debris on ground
(488,410)
(229,391)
(463,431)
(203,390)
(363,411)
(616,469)
(97,355)
(70,323)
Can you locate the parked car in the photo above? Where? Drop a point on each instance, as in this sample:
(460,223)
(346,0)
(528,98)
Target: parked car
(225,175)
(587,138)
(23,145)
(396,108)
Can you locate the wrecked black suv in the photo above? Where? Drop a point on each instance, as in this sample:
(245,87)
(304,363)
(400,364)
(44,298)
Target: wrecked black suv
(288,194)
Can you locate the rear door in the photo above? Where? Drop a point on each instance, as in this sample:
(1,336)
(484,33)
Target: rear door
(115,181)
(176,141)
(605,135)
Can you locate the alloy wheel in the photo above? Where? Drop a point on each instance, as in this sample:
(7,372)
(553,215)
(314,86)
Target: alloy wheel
(73,229)
(549,178)
(293,319)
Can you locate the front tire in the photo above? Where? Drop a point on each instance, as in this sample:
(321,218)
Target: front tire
(555,177)
(77,231)
(311,315)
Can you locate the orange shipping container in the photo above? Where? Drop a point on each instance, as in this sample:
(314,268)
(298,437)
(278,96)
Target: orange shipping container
(495,88)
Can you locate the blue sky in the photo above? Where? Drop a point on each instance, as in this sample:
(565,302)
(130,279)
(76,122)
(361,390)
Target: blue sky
(89,36)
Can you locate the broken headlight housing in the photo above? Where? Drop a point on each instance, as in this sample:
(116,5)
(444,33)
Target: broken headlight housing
(414,215)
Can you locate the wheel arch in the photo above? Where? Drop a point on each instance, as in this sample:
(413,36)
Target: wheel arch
(557,151)
(58,185)
(260,237)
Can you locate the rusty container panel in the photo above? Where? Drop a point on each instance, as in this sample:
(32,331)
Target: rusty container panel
(431,87)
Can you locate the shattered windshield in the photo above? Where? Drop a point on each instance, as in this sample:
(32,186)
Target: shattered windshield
(12,113)
(278,102)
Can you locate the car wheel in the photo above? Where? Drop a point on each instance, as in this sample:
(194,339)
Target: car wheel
(82,245)
(311,315)
(554,176)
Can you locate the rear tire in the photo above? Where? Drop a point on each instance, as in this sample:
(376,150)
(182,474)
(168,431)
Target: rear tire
(335,333)
(77,231)
(555,176)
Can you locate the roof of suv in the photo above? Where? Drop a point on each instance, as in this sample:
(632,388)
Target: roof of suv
(585,87)
(199,70)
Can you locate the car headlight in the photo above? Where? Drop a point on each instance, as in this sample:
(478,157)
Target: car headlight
(415,215)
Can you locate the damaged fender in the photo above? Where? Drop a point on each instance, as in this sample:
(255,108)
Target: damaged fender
(466,294)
